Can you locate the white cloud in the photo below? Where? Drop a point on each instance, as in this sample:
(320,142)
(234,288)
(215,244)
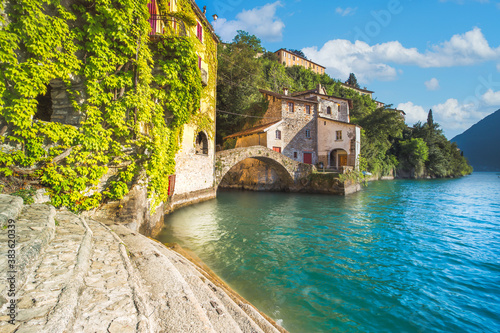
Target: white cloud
(414,113)
(370,62)
(346,11)
(453,116)
(342,57)
(432,84)
(260,21)
(491,97)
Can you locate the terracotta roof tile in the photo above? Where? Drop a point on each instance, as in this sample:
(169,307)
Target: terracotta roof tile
(253,130)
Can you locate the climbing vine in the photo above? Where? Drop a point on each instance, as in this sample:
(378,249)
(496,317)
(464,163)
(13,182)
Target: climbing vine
(136,96)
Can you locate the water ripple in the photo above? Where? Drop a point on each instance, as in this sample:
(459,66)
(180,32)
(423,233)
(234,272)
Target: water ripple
(400,256)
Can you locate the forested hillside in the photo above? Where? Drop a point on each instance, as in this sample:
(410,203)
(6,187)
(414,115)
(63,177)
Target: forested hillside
(387,144)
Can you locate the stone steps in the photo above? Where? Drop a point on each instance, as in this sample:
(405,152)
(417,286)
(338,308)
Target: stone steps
(34,229)
(176,308)
(78,275)
(42,300)
(247,318)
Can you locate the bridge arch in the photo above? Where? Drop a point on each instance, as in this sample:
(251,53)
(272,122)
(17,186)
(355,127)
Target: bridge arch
(289,170)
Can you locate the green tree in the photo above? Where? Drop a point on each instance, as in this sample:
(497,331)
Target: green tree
(430,119)
(352,81)
(382,128)
(239,79)
(414,154)
(244,39)
(299,53)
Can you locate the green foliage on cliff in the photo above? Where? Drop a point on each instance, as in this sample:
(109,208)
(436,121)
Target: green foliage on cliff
(137,97)
(443,157)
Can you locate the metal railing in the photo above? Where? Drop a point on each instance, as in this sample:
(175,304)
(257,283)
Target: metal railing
(166,25)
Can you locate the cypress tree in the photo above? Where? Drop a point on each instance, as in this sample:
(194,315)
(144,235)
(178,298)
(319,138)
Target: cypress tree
(430,119)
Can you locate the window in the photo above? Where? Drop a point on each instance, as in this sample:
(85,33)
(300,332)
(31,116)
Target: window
(308,133)
(293,58)
(308,109)
(278,134)
(199,62)
(199,32)
(201,144)
(328,110)
(338,135)
(290,107)
(295,154)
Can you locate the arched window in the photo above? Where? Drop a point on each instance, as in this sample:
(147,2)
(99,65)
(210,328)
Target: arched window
(201,144)
(329,110)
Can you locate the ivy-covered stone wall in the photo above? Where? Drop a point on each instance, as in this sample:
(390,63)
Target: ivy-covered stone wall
(83,90)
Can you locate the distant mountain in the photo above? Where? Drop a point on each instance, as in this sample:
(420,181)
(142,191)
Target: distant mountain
(481,143)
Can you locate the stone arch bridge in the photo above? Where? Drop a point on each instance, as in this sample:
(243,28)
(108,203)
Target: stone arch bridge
(294,173)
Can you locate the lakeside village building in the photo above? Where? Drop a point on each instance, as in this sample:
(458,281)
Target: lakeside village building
(195,160)
(309,126)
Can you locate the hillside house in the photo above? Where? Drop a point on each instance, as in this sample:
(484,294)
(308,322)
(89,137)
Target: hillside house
(358,90)
(290,59)
(310,127)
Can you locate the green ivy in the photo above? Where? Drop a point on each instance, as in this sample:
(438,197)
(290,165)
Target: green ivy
(138,96)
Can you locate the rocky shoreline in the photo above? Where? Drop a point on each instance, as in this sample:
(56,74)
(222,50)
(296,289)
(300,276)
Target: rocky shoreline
(75,274)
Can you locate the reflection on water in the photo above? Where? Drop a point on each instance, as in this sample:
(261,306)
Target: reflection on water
(400,256)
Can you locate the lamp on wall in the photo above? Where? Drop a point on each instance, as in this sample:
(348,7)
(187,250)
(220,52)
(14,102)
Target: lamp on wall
(215,17)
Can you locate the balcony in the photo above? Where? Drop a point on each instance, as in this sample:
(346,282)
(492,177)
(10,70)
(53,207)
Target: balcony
(162,25)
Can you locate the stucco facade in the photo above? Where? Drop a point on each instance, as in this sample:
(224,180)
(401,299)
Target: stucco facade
(289,59)
(339,143)
(311,126)
(196,156)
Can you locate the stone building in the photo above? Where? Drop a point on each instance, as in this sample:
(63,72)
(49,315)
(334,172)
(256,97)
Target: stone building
(195,160)
(289,59)
(193,180)
(310,127)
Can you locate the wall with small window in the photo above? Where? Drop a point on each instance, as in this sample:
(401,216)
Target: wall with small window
(341,137)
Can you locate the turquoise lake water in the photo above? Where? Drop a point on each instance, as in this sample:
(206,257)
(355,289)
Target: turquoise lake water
(399,256)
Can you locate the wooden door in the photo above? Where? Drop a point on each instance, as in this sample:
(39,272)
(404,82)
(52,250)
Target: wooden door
(342,160)
(308,158)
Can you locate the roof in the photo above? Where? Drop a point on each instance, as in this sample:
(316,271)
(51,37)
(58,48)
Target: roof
(253,130)
(288,97)
(300,57)
(356,88)
(200,14)
(338,121)
(397,110)
(315,91)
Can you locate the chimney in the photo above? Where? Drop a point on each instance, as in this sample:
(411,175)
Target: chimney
(285,91)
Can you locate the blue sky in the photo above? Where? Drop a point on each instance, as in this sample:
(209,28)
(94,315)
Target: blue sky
(416,55)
